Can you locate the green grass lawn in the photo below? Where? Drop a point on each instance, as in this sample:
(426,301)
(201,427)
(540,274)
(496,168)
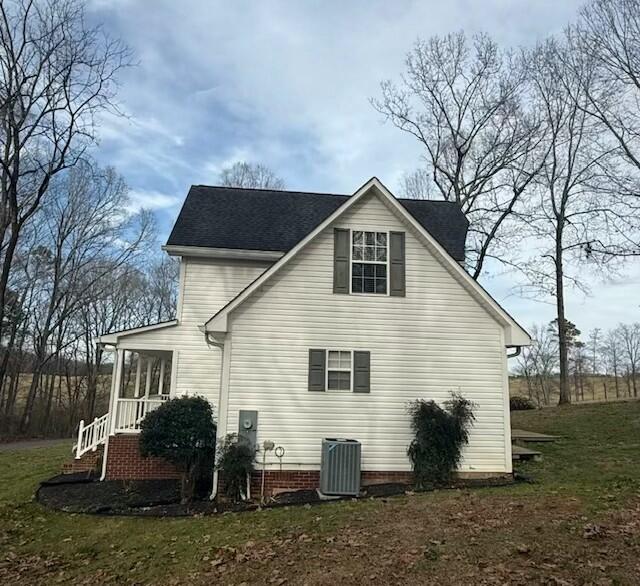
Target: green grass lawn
(585,502)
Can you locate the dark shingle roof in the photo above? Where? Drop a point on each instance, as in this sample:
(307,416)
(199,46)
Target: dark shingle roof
(261,219)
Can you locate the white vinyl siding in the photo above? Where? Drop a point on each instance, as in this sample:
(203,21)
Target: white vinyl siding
(208,285)
(436,340)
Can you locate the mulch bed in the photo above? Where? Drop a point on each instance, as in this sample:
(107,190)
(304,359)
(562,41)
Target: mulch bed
(84,493)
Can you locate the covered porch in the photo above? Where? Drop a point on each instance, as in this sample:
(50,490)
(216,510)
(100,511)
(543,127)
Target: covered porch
(141,381)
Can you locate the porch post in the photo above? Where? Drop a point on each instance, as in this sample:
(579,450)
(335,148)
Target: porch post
(138,372)
(116,381)
(147,382)
(161,377)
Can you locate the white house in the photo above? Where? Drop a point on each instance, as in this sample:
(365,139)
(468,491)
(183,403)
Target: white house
(316,316)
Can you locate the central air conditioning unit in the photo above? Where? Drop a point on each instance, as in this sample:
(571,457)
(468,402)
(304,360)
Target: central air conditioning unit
(340,467)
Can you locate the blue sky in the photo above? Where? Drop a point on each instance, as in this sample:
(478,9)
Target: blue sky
(288,84)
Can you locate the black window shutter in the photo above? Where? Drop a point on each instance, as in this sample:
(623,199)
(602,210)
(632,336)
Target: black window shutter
(396,264)
(361,372)
(316,370)
(340,260)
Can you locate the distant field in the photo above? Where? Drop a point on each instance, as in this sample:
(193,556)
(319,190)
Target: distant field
(594,389)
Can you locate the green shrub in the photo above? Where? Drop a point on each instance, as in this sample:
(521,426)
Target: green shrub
(235,462)
(440,435)
(183,432)
(518,403)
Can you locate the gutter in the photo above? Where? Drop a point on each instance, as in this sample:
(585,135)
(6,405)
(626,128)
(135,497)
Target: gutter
(228,253)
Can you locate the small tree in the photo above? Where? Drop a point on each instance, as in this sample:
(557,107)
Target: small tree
(440,434)
(250,176)
(235,461)
(183,432)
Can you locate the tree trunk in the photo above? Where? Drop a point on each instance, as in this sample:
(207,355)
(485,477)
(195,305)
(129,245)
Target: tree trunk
(7,262)
(187,484)
(565,391)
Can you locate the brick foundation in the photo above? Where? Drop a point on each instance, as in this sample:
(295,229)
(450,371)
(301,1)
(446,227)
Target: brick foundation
(276,481)
(124,461)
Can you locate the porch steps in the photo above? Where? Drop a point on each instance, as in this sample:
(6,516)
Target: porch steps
(520,453)
(89,462)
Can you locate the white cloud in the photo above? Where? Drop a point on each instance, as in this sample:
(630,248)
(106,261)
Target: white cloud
(151,200)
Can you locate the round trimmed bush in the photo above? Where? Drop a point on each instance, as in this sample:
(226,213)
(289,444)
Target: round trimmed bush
(183,432)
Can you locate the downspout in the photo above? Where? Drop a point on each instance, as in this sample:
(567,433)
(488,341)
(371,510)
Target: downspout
(212,342)
(516,353)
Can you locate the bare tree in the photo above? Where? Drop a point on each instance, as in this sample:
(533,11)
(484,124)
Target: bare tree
(418,185)
(612,353)
(573,205)
(466,105)
(84,237)
(56,75)
(251,176)
(607,38)
(538,364)
(595,337)
(162,290)
(630,343)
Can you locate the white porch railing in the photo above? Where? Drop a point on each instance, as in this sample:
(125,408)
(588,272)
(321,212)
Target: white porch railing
(131,412)
(92,435)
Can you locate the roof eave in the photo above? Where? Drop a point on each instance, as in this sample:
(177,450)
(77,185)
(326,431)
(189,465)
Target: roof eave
(112,338)
(227,253)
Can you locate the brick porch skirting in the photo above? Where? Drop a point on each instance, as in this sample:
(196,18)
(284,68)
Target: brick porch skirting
(124,461)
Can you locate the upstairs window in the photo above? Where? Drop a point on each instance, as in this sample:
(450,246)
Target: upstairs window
(369,262)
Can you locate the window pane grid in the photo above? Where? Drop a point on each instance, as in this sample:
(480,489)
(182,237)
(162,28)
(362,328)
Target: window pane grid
(369,262)
(339,370)
(339,359)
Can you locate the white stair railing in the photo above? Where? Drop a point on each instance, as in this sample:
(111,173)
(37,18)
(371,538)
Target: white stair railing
(92,435)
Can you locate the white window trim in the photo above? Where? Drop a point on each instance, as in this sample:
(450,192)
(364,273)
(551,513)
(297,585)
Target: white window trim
(349,370)
(372,262)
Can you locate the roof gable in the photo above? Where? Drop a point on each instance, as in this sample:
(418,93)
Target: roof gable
(514,333)
(266,220)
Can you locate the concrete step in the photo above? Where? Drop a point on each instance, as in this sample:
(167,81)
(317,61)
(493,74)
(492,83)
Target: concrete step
(520,453)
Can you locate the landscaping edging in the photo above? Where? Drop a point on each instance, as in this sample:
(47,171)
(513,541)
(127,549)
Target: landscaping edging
(84,494)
